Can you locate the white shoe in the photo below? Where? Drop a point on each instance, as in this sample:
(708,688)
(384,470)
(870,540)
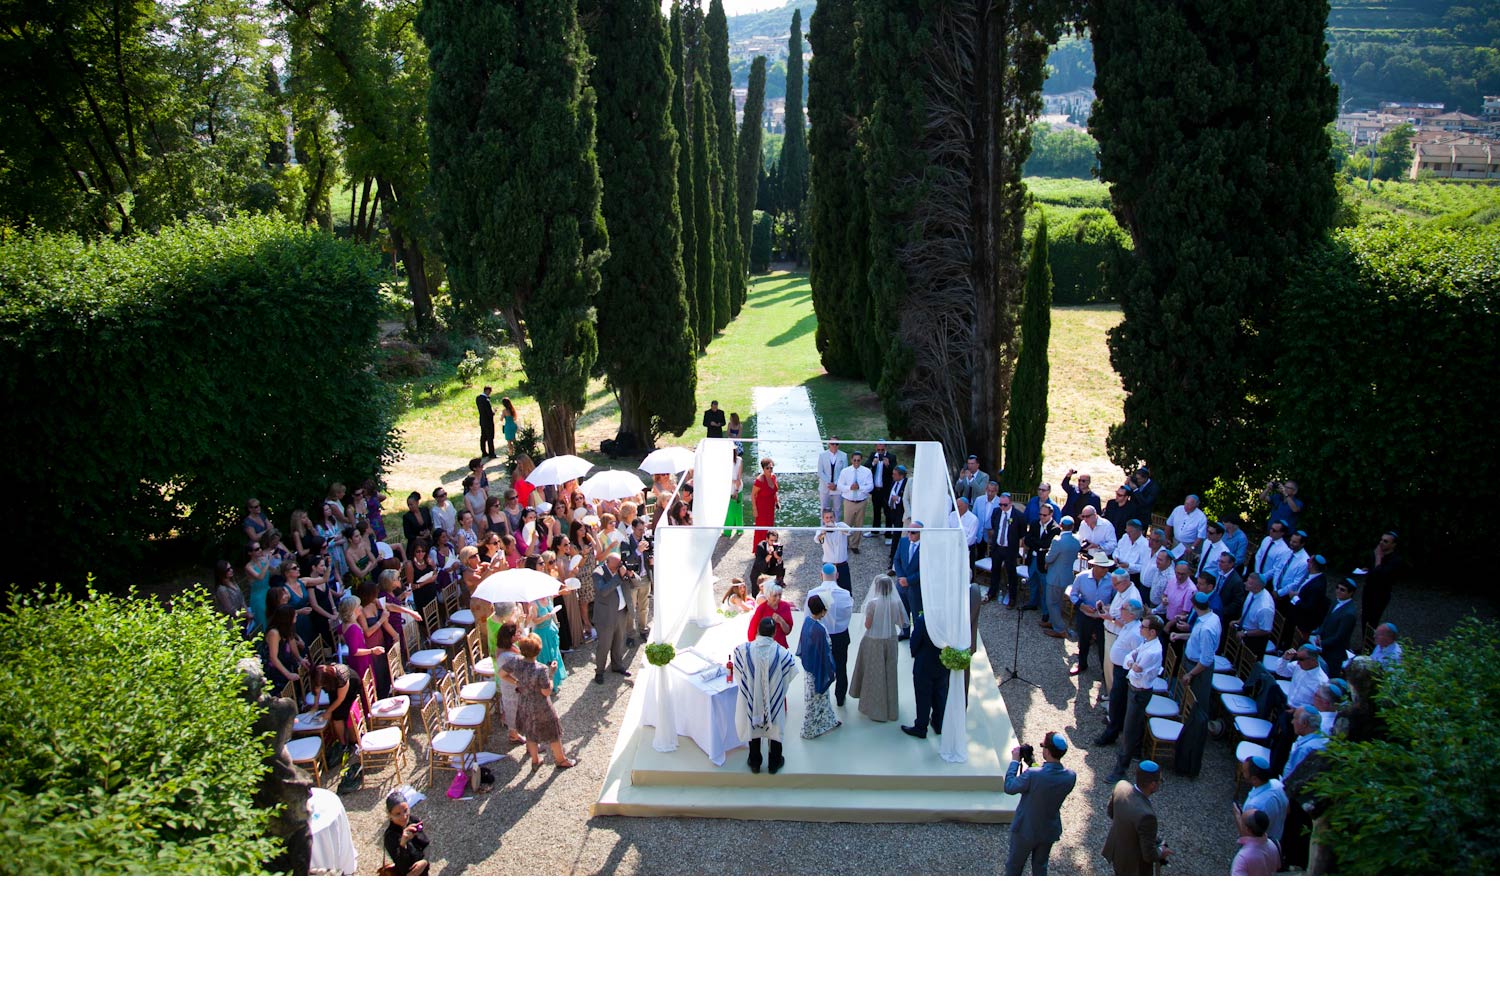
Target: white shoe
(869,534)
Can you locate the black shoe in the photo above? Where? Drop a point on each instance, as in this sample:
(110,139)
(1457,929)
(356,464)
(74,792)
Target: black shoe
(755,767)
(840,703)
(776,765)
(935,729)
(630,641)
(622,673)
(598,677)
(920,734)
(1105,739)
(1113,778)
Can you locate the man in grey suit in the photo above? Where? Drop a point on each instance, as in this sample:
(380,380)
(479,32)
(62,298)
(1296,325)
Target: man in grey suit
(1061,555)
(1038,822)
(611,616)
(1132,847)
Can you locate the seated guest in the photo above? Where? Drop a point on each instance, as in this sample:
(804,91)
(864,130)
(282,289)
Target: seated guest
(405,843)
(1387,650)
(1307,674)
(1187,526)
(1257,854)
(736,600)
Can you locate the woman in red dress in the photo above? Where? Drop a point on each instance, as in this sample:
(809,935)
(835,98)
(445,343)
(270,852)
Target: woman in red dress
(770,605)
(763,494)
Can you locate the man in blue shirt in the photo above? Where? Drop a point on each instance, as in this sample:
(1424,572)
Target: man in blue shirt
(1286,505)
(1034,505)
(1266,793)
(1038,822)
(1092,593)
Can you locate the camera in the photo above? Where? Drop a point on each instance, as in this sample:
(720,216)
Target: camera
(1028,754)
(417,827)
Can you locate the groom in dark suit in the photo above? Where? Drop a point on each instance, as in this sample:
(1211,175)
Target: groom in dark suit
(929,680)
(486,424)
(1038,822)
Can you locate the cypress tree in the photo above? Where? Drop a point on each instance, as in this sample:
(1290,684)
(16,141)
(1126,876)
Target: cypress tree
(793,173)
(1027,428)
(647,349)
(687,207)
(722,86)
(510,128)
(751,133)
(1219,186)
(703,210)
(838,222)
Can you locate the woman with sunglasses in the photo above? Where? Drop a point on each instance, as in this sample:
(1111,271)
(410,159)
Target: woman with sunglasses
(258,569)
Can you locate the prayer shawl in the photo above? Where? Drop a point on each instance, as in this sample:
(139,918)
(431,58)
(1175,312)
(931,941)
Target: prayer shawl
(816,653)
(764,672)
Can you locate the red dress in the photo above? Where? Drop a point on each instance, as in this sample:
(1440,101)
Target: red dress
(765,507)
(763,610)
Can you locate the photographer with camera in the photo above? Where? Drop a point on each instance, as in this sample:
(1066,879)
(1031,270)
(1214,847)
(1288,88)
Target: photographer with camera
(636,557)
(1038,822)
(1286,505)
(404,840)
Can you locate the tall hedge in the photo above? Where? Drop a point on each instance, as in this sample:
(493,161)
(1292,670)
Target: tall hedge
(760,243)
(128,746)
(1382,386)
(1026,425)
(150,386)
(1083,247)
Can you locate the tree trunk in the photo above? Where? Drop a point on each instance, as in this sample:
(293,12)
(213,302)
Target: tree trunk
(416,266)
(989,72)
(363,227)
(634,415)
(557,429)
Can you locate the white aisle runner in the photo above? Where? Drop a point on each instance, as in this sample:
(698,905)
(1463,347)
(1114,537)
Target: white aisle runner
(785,413)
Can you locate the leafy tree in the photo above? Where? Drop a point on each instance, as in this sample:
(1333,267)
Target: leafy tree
(728,167)
(682,124)
(1394,153)
(1219,188)
(516,183)
(749,166)
(1081,251)
(1026,430)
(705,208)
(837,216)
(1061,153)
(793,173)
(1422,800)
(130,748)
(646,346)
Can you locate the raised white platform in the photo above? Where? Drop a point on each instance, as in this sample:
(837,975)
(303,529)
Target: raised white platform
(864,771)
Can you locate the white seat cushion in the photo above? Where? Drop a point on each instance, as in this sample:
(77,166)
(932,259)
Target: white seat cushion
(485,667)
(1160,686)
(391,708)
(478,691)
(452,741)
(1228,684)
(1244,751)
(466,715)
(381,739)
(322,699)
(463,618)
(428,658)
(410,684)
(1023,573)
(1238,704)
(1286,687)
(1252,728)
(303,725)
(448,636)
(304,749)
(1222,665)
(1166,730)
(1161,706)
(985,564)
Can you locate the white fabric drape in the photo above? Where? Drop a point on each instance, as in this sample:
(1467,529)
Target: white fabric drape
(953,745)
(945,581)
(927,498)
(713,481)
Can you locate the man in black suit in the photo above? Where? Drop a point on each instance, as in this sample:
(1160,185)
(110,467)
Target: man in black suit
(1310,606)
(1006,529)
(713,420)
(1336,632)
(929,680)
(895,508)
(486,423)
(882,466)
(1144,494)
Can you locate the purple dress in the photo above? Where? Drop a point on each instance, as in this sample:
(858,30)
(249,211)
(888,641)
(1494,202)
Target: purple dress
(536,719)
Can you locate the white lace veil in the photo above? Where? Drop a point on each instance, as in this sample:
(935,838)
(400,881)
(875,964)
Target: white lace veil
(884,612)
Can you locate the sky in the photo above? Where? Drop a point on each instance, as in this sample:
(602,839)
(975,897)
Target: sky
(733,7)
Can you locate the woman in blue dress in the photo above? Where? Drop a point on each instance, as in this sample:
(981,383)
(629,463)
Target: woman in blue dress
(508,425)
(258,569)
(544,627)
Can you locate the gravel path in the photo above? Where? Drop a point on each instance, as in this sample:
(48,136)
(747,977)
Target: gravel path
(536,822)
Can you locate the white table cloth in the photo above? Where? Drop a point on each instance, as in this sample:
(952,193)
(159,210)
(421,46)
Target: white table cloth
(703,710)
(332,843)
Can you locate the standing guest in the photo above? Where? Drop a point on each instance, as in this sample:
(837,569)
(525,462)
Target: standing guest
(486,423)
(1144,493)
(637,557)
(359,557)
(1286,505)
(734,514)
(1125,639)
(1229,590)
(229,600)
(882,473)
(1257,854)
(971,481)
(1266,794)
(768,562)
(830,464)
(965,520)
(713,420)
(503,634)
(1038,821)
(763,673)
(763,497)
(342,685)
(1132,847)
(494,518)
(1042,499)
(513,512)
(475,496)
(768,604)
(1257,616)
(404,841)
(417,520)
(509,425)
(1119,509)
(1309,606)
(1092,592)
(874,682)
(1081,497)
(444,514)
(420,574)
(1143,666)
(1187,526)
(298,597)
(1387,650)
(374,510)
(1177,598)
(582,563)
(734,429)
(815,653)
(929,680)
(285,655)
(333,504)
(1040,534)
(1294,569)
(610,617)
(895,507)
(1336,634)
(1154,579)
(1272,552)
(1006,529)
(834,538)
(1133,553)
(466,534)
(983,508)
(324,597)
(522,486)
(258,569)
(542,620)
(354,635)
(840,605)
(1305,763)
(378,628)
(1061,557)
(1123,592)
(854,486)
(908,569)
(1095,534)
(1380,579)
(1197,674)
(301,531)
(535,717)
(1237,540)
(255,523)
(1208,553)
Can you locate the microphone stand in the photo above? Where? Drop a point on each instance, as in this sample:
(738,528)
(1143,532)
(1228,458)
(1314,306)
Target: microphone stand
(1012,673)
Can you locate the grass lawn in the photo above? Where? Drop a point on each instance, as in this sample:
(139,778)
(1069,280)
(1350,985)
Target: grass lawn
(771,343)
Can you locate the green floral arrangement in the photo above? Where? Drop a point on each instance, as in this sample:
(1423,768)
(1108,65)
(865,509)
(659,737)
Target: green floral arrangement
(955,659)
(659,654)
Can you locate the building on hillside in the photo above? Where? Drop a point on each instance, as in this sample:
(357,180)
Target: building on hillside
(1455,121)
(1411,109)
(1462,157)
(1491,111)
(1060,123)
(1365,127)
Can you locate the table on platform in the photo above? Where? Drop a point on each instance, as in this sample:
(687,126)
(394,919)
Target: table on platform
(704,705)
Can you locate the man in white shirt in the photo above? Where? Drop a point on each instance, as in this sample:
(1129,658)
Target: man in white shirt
(854,486)
(1126,622)
(1125,592)
(964,518)
(1094,533)
(1387,650)
(1133,552)
(1213,547)
(1142,666)
(834,537)
(444,514)
(1257,616)
(830,464)
(1272,553)
(1294,569)
(840,605)
(1188,525)
(983,508)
